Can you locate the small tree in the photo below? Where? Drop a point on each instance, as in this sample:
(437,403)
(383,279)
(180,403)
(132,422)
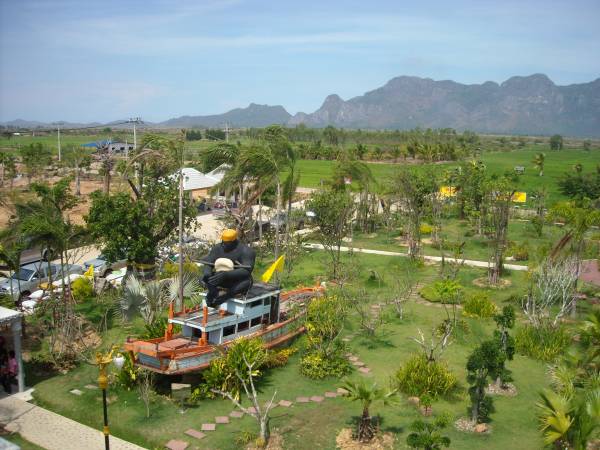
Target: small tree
(504,322)
(414,190)
(366,395)
(77,158)
(427,436)
(538,162)
(35,157)
(145,383)
(333,212)
(486,361)
(259,412)
(556,142)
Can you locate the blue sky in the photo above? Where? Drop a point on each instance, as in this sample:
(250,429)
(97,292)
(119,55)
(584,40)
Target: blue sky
(98,61)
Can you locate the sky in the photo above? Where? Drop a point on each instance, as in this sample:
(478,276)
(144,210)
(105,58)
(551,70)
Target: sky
(83,61)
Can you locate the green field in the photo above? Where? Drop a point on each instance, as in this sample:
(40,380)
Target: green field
(514,423)
(557,163)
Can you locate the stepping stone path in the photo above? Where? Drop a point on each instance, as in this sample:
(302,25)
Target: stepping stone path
(285,403)
(236,414)
(91,387)
(222,419)
(330,394)
(353,358)
(316,399)
(346,339)
(76,392)
(364,370)
(252,410)
(302,399)
(195,433)
(208,427)
(358,363)
(342,391)
(176,445)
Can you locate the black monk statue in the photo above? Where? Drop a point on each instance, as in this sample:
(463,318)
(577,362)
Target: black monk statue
(228,269)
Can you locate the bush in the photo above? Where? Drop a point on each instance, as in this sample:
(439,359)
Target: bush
(520,252)
(317,366)
(279,358)
(82,289)
(127,377)
(544,342)
(445,291)
(419,377)
(425,229)
(171,269)
(479,305)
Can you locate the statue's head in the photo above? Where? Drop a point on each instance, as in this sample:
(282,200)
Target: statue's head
(229,238)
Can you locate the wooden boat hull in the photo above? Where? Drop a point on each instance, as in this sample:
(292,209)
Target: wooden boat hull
(195,358)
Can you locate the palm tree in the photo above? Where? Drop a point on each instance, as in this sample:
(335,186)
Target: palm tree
(366,395)
(538,162)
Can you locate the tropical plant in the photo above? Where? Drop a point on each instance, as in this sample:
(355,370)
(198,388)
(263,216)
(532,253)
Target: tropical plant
(82,289)
(486,361)
(366,395)
(543,342)
(418,376)
(479,305)
(427,436)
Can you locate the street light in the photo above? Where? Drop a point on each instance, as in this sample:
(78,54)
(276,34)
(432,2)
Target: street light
(103,360)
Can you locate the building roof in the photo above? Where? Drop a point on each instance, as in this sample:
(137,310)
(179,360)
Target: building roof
(219,172)
(9,315)
(194,179)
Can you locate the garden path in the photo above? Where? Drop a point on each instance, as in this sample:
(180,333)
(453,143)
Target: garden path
(467,262)
(53,431)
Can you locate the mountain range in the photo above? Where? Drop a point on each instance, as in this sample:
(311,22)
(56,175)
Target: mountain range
(520,105)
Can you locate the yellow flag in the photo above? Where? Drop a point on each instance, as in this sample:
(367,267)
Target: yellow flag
(90,272)
(276,266)
(519,197)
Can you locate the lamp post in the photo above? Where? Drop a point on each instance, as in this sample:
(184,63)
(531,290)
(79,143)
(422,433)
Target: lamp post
(103,360)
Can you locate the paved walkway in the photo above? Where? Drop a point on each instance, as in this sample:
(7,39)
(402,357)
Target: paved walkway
(52,431)
(467,262)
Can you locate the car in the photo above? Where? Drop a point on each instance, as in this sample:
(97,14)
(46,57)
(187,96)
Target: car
(30,276)
(102,267)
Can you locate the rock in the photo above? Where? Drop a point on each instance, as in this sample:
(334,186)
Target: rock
(414,401)
(480,428)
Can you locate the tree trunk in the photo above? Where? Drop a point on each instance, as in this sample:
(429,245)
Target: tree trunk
(278,213)
(365,428)
(77,182)
(260,221)
(264,430)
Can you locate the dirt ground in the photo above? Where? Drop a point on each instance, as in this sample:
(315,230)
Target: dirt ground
(89,184)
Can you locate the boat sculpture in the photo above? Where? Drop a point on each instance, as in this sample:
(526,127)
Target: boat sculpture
(264,312)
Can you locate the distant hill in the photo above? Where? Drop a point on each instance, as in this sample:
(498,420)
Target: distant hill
(520,105)
(252,116)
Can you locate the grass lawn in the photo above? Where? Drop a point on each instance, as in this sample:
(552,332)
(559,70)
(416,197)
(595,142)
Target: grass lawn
(453,230)
(305,426)
(557,163)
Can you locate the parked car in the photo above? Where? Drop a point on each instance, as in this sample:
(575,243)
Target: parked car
(102,267)
(30,276)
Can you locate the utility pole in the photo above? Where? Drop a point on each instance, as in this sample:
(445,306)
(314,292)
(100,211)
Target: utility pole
(59,151)
(226,131)
(134,121)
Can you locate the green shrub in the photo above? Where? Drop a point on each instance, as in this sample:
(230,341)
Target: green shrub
(171,269)
(316,365)
(82,289)
(127,377)
(520,252)
(544,342)
(425,229)
(279,358)
(479,305)
(158,328)
(6,301)
(221,373)
(444,291)
(419,377)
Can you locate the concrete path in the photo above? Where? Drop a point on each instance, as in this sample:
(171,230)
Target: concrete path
(467,262)
(52,431)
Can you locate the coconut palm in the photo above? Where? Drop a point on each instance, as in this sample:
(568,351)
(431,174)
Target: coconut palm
(538,162)
(366,395)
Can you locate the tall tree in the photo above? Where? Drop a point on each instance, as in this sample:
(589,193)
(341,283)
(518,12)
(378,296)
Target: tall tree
(556,142)
(77,158)
(413,190)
